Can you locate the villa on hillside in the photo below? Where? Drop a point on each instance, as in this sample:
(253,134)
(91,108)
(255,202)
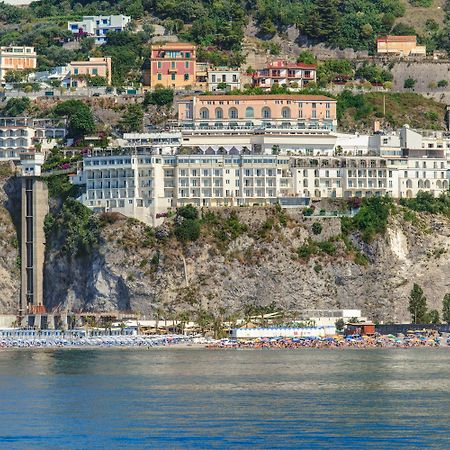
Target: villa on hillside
(400,46)
(293,75)
(98,26)
(170,65)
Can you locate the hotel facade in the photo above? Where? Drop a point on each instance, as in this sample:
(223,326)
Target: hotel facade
(144,184)
(250,111)
(21,135)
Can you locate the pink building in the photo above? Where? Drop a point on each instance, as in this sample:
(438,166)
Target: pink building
(233,111)
(294,75)
(95,67)
(171,65)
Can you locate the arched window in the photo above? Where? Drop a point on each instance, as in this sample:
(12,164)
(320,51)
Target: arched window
(233,113)
(219,113)
(266,113)
(427,184)
(204,113)
(408,183)
(420,184)
(286,113)
(249,113)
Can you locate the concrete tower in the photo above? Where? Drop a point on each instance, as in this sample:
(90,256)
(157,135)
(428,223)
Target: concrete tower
(33,212)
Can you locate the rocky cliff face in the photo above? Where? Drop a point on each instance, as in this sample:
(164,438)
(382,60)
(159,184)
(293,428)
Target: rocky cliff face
(9,248)
(134,269)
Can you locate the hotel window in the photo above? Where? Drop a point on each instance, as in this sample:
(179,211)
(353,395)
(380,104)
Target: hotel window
(286,113)
(213,78)
(219,113)
(186,77)
(249,113)
(173,64)
(233,113)
(187,55)
(159,77)
(328,114)
(173,76)
(159,64)
(186,64)
(266,113)
(94,71)
(204,113)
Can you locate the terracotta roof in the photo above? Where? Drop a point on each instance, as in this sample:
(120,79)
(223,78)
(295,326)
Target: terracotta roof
(397,38)
(293,65)
(263,97)
(174,45)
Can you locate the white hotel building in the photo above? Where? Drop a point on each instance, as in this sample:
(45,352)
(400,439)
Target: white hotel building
(142,181)
(22,134)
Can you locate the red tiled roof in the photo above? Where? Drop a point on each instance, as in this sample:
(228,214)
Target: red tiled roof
(263,97)
(169,45)
(291,65)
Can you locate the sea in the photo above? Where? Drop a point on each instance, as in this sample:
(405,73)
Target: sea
(169,398)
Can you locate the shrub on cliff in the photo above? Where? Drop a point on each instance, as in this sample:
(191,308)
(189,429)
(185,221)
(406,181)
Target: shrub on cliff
(426,202)
(371,219)
(187,230)
(187,225)
(76,225)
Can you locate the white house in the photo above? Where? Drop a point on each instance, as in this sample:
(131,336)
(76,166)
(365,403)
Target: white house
(221,76)
(99,26)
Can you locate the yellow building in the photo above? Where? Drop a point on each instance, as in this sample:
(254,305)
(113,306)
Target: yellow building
(16,58)
(400,45)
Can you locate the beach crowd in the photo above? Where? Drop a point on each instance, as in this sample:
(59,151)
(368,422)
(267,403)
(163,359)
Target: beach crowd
(92,342)
(388,341)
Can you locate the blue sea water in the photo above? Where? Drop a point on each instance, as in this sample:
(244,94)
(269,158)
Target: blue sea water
(197,398)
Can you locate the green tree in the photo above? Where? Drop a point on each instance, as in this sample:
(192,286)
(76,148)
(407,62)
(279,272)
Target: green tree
(159,97)
(16,106)
(132,119)
(187,230)
(316,228)
(446,308)
(79,115)
(433,316)
(409,83)
(306,57)
(188,212)
(81,123)
(339,324)
(324,21)
(417,305)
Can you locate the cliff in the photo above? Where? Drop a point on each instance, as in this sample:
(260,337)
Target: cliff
(252,257)
(9,254)
(243,259)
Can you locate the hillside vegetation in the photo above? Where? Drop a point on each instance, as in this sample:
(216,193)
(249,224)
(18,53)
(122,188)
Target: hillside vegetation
(358,111)
(218,26)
